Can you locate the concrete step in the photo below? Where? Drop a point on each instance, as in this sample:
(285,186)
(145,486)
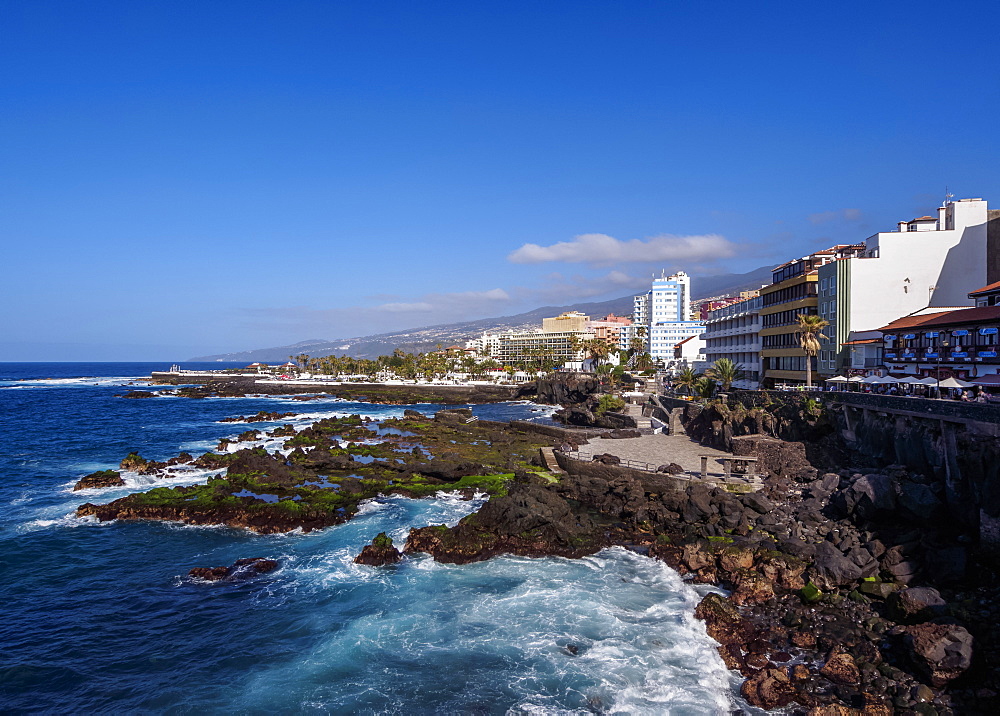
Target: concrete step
(548,457)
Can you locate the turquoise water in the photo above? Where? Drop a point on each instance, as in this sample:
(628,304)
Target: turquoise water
(102,618)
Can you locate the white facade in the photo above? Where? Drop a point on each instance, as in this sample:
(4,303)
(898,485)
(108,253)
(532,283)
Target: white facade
(927,262)
(664,310)
(689,353)
(523,347)
(733,332)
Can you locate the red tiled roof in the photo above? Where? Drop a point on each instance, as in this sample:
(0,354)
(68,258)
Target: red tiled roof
(967,315)
(912,321)
(862,342)
(985,289)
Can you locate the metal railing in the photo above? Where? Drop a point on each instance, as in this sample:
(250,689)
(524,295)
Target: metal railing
(738,484)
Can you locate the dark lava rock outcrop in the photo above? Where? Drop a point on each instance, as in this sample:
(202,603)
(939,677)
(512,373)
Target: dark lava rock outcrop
(380,552)
(101,478)
(261,417)
(240,569)
(564,388)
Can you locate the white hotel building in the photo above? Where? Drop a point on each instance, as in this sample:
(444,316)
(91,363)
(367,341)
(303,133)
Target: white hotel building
(664,311)
(928,262)
(733,332)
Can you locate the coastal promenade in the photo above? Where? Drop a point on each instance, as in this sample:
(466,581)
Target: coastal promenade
(659,449)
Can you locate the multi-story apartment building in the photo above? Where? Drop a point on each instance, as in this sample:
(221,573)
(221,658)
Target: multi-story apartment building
(559,340)
(571,321)
(793,292)
(928,262)
(664,311)
(733,332)
(523,348)
(612,329)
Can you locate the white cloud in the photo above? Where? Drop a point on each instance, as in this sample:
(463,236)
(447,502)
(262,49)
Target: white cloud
(603,250)
(494,294)
(419,306)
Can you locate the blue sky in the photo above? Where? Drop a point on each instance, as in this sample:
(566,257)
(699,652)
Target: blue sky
(185,178)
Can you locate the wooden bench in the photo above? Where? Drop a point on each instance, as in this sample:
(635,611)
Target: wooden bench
(728,461)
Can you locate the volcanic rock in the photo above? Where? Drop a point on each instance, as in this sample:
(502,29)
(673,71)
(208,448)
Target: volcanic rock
(101,478)
(380,552)
(768,689)
(940,651)
(841,669)
(915,604)
(240,569)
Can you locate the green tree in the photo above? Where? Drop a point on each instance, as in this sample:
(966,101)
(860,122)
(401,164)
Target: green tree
(810,331)
(726,372)
(687,379)
(704,387)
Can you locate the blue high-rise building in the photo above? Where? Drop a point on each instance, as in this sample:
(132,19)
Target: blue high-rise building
(665,312)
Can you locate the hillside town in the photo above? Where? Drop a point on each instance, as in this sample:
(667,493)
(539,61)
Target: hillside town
(912,309)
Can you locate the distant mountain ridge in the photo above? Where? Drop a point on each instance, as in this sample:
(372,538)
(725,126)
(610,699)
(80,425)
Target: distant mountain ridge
(428,337)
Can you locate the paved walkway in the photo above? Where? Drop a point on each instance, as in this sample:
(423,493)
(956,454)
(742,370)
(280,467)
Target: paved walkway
(658,450)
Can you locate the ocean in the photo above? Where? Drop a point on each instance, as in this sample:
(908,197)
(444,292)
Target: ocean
(101,617)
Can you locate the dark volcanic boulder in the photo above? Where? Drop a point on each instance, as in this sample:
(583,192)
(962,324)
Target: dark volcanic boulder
(919,502)
(941,651)
(530,520)
(774,457)
(133,462)
(139,394)
(453,415)
(671,469)
(101,478)
(915,604)
(841,669)
(567,388)
(621,434)
(380,552)
(616,421)
(576,415)
(607,459)
(866,497)
(240,569)
(769,689)
(723,621)
(832,569)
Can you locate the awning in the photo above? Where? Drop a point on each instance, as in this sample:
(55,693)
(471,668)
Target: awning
(955,383)
(990,380)
(908,379)
(842,379)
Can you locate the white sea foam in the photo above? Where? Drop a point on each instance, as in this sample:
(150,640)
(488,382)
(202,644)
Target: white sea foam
(134,482)
(64,521)
(70,382)
(506,621)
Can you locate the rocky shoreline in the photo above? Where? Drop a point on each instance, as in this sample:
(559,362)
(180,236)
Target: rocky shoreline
(849,590)
(384,393)
(331,467)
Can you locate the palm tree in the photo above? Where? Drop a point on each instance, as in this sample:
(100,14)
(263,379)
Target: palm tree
(810,331)
(726,372)
(597,349)
(704,387)
(688,379)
